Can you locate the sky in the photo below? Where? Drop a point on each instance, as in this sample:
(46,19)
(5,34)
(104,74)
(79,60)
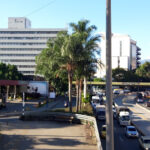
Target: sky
(130,17)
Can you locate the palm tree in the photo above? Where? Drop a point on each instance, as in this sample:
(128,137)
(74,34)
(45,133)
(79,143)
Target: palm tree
(89,46)
(71,52)
(62,53)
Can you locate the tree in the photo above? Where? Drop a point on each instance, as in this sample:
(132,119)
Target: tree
(62,53)
(89,46)
(118,74)
(70,52)
(122,75)
(9,72)
(144,72)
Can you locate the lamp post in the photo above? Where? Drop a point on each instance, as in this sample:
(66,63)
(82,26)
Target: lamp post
(109,113)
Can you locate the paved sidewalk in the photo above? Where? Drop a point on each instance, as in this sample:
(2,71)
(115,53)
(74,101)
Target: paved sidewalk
(46,135)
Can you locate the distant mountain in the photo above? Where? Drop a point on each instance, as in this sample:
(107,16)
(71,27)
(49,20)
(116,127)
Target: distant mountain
(144,60)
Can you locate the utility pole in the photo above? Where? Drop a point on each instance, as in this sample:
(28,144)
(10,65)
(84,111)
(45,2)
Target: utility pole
(109,113)
(23,104)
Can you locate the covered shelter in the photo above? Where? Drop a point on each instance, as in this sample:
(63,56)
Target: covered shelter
(11,87)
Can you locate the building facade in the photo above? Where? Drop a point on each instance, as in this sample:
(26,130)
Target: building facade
(20,44)
(125,53)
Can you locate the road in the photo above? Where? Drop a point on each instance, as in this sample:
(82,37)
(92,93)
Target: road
(121,142)
(61,103)
(16,106)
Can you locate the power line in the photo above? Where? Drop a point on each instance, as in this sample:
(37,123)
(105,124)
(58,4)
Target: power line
(38,9)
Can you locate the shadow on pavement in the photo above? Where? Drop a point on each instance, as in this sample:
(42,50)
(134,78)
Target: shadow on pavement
(20,142)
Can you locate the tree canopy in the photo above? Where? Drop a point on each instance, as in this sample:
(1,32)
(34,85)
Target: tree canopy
(144,71)
(122,75)
(69,53)
(9,72)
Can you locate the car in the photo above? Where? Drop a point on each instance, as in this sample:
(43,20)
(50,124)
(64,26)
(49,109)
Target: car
(118,91)
(144,142)
(140,100)
(114,111)
(131,131)
(126,91)
(148,103)
(139,95)
(100,114)
(103,132)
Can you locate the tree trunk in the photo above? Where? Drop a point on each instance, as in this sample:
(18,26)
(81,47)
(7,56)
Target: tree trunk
(70,91)
(80,95)
(15,91)
(7,93)
(77,96)
(85,87)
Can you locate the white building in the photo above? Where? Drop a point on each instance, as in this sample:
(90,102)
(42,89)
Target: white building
(19,43)
(125,53)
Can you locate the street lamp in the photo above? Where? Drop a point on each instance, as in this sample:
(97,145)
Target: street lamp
(109,113)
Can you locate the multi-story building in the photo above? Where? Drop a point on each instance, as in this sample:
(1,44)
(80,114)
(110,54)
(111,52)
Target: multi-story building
(19,43)
(125,53)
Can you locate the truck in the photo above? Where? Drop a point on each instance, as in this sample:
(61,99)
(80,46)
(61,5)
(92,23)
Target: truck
(122,109)
(123,115)
(100,112)
(124,118)
(41,87)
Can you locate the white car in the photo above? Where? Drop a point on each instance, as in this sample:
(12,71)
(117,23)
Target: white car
(144,142)
(131,131)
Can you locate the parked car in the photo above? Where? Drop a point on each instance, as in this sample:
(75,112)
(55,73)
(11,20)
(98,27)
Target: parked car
(103,131)
(131,131)
(144,142)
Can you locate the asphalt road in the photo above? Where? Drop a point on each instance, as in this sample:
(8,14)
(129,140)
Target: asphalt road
(121,142)
(61,103)
(16,106)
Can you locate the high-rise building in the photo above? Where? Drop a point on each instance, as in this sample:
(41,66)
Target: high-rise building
(125,53)
(19,43)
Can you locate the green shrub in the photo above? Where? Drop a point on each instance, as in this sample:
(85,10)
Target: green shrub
(87,99)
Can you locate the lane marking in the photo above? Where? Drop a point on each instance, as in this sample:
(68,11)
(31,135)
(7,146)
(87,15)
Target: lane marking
(138,115)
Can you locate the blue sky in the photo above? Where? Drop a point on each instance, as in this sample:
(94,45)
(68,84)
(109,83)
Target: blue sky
(130,17)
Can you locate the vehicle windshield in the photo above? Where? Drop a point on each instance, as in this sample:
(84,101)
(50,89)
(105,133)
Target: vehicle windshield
(140,95)
(131,129)
(146,141)
(101,113)
(104,128)
(96,101)
(124,109)
(125,118)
